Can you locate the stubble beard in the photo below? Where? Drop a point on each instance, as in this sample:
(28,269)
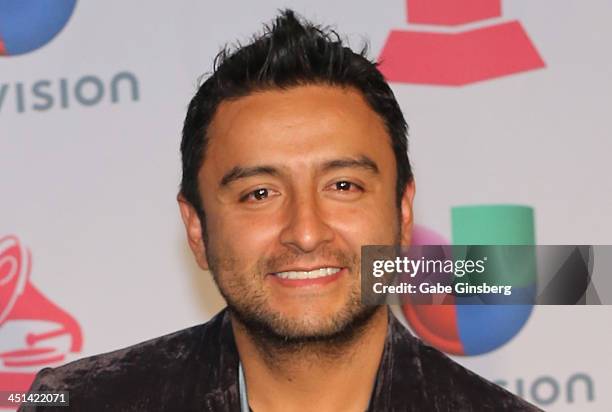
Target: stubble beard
(275,335)
(248,304)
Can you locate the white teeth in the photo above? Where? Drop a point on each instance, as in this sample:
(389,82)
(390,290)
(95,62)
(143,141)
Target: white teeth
(313,274)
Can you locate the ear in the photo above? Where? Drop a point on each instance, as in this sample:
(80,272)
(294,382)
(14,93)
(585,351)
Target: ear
(193,227)
(407,213)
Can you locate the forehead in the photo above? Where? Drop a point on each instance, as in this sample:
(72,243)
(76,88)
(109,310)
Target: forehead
(298,125)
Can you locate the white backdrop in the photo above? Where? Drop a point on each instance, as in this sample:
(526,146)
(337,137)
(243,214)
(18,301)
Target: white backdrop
(90,190)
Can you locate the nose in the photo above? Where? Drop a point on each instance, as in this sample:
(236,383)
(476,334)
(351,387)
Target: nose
(306,229)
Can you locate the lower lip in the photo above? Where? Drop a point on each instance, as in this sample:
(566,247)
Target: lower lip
(296,283)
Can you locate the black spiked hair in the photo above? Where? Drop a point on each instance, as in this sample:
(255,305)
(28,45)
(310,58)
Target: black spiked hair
(291,52)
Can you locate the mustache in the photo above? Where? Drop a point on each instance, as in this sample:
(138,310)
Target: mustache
(331,257)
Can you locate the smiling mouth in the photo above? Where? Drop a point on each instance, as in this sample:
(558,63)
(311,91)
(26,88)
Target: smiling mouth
(311,274)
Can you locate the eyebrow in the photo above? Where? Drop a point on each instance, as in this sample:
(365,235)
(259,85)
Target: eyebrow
(361,162)
(240,172)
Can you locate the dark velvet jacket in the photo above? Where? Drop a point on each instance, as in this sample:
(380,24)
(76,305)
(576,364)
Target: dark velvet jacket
(196,369)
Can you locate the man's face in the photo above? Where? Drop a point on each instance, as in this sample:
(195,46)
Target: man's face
(293,183)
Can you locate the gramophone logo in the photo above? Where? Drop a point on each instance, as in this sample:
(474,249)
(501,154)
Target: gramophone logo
(439,49)
(34,332)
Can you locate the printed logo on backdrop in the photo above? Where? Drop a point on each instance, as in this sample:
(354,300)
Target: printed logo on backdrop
(547,390)
(469,330)
(28,25)
(442,46)
(34,331)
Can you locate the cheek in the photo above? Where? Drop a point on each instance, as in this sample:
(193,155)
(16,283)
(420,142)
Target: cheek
(366,225)
(243,237)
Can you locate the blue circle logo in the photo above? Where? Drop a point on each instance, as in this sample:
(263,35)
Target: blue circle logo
(26,25)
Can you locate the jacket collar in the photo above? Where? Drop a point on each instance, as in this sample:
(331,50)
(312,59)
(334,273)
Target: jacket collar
(400,358)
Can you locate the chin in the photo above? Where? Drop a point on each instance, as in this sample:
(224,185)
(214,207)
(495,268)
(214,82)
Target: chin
(319,324)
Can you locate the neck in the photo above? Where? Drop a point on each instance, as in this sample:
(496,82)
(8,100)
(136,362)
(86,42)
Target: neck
(334,375)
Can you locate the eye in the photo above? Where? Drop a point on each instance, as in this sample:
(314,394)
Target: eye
(256,195)
(260,194)
(346,186)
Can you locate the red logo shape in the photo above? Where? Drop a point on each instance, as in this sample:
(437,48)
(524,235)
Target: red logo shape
(454,59)
(34,332)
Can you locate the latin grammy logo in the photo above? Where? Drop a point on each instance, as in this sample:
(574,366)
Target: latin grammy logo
(34,332)
(447,53)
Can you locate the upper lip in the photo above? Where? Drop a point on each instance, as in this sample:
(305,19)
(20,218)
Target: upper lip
(307,269)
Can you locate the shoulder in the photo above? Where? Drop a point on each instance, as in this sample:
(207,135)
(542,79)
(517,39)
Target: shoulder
(142,374)
(448,383)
